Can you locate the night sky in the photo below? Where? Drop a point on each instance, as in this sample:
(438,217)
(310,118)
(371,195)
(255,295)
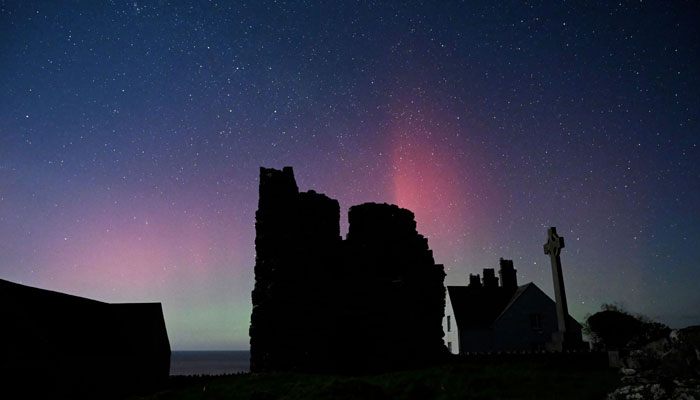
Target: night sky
(131,136)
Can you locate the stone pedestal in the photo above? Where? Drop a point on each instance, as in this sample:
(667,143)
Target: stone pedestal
(567,341)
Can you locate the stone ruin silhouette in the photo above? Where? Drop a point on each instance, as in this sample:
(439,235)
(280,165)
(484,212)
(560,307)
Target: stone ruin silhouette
(371,302)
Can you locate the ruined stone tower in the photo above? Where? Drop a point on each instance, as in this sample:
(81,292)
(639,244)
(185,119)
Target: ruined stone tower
(371,302)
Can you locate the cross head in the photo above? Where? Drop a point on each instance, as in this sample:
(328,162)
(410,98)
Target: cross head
(554,243)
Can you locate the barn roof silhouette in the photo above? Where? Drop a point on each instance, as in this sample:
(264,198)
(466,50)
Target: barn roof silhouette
(73,342)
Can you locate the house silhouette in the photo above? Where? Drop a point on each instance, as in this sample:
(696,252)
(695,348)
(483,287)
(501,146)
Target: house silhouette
(486,316)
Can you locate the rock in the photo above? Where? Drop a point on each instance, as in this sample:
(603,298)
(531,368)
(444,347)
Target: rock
(630,392)
(666,368)
(641,360)
(682,393)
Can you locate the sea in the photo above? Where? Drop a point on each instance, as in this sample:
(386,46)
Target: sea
(209,362)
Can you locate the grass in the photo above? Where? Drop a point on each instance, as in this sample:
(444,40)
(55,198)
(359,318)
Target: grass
(463,380)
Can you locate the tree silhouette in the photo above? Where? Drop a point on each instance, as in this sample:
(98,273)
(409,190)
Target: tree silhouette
(615,328)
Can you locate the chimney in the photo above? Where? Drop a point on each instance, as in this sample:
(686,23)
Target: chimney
(507,272)
(490,280)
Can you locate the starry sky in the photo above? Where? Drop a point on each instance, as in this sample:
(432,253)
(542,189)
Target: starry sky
(132,132)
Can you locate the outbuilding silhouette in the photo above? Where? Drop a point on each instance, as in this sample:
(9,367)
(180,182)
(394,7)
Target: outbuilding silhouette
(54,342)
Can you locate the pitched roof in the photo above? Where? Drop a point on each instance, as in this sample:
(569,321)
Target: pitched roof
(476,308)
(521,289)
(479,308)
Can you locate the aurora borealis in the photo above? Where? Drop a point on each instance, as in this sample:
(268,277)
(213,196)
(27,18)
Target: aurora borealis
(131,136)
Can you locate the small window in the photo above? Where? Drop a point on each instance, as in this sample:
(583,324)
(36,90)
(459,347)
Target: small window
(449,346)
(449,329)
(536,321)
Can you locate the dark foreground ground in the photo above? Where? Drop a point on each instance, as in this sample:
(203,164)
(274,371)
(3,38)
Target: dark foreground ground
(476,379)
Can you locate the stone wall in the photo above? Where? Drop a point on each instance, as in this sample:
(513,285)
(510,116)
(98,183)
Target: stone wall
(668,368)
(374,301)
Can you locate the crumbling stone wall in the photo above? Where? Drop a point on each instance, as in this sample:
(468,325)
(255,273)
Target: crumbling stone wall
(668,368)
(374,301)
